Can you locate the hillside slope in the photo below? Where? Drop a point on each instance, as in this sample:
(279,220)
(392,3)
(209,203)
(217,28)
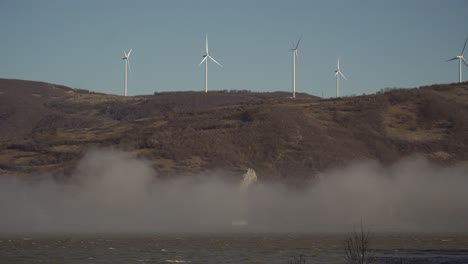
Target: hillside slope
(47,128)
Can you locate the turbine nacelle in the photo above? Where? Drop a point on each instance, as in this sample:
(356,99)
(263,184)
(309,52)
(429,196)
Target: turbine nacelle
(127,55)
(294,49)
(337,73)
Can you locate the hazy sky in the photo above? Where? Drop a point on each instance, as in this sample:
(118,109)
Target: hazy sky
(380,43)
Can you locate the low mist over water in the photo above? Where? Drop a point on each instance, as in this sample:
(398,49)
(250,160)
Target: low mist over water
(112,192)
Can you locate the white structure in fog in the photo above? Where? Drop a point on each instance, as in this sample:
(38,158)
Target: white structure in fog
(248,180)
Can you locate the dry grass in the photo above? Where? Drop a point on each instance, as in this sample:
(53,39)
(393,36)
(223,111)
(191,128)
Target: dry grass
(193,131)
(402,123)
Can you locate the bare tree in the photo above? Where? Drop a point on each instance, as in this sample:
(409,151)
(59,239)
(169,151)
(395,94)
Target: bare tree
(357,247)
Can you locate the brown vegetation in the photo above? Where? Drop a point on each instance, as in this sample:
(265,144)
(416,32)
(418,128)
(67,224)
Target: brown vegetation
(47,128)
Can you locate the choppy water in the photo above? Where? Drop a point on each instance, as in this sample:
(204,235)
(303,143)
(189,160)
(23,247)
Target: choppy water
(231,248)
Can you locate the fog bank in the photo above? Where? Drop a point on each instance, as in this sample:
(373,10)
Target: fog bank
(116,193)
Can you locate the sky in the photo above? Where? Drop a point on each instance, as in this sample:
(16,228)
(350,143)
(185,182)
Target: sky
(398,43)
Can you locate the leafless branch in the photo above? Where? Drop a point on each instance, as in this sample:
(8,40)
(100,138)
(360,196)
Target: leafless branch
(357,247)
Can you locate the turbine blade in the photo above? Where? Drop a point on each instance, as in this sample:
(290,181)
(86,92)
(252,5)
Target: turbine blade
(214,61)
(204,59)
(336,73)
(299,41)
(206,43)
(464,61)
(464,45)
(343,76)
(128,55)
(125,54)
(454,58)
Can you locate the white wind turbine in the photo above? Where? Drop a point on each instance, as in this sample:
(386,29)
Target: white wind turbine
(126,59)
(205,60)
(337,75)
(294,57)
(460,58)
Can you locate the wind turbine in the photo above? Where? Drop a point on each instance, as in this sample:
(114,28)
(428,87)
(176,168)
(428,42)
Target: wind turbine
(337,75)
(460,58)
(294,57)
(126,59)
(205,60)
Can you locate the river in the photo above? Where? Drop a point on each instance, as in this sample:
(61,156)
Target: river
(241,248)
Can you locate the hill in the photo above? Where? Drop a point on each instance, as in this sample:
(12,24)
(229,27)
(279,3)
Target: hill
(47,128)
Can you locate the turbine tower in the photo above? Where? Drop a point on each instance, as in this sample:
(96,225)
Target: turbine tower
(337,75)
(205,60)
(126,59)
(294,57)
(460,58)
